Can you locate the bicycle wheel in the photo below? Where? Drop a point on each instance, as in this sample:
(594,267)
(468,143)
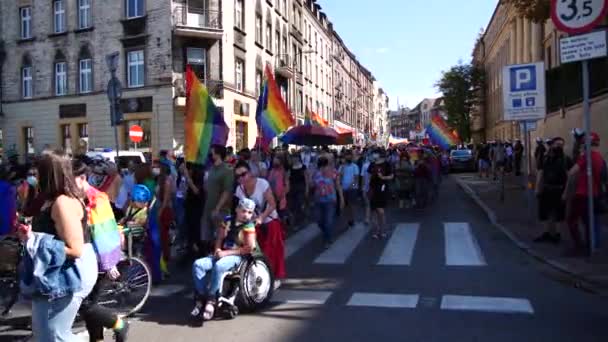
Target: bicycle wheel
(128,294)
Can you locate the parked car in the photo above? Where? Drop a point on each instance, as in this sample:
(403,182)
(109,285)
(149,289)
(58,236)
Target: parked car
(462,160)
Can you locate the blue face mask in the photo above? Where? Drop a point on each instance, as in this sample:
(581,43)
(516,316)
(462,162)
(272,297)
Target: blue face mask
(32,180)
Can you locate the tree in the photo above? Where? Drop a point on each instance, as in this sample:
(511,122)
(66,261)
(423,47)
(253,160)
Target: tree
(536,10)
(461,86)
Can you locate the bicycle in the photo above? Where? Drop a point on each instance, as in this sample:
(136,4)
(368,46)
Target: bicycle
(129,293)
(11,252)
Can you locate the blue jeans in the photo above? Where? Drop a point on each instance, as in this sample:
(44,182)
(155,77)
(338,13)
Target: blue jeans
(207,273)
(52,319)
(326,217)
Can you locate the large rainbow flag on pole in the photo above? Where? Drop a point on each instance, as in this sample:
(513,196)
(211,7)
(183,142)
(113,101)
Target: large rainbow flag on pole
(312,118)
(204,124)
(272,115)
(440,134)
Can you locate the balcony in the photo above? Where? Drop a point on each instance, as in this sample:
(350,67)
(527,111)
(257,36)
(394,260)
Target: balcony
(215,88)
(283,66)
(197,23)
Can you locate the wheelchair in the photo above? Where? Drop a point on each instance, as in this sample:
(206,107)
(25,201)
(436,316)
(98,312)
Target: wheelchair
(247,288)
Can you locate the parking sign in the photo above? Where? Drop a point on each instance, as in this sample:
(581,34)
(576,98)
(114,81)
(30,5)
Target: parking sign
(524,91)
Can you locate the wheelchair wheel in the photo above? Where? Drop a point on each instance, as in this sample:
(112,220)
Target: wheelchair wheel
(128,294)
(256,285)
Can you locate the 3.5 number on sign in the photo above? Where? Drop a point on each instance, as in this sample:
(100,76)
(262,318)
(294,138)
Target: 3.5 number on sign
(577,16)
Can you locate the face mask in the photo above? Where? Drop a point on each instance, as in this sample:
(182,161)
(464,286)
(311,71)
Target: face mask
(32,180)
(156,171)
(558,150)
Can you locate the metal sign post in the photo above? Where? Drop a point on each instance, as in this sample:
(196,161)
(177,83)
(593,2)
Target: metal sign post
(114,92)
(576,17)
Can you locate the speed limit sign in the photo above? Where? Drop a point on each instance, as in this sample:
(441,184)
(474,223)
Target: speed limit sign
(577,16)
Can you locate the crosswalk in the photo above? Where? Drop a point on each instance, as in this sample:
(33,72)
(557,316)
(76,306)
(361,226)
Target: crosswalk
(461,250)
(461,246)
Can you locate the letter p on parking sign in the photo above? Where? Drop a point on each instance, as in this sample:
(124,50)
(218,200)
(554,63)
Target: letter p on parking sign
(523,78)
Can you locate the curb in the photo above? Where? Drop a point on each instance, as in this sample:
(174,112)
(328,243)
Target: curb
(580,281)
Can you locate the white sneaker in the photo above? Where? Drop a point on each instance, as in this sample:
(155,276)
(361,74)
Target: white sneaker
(277,284)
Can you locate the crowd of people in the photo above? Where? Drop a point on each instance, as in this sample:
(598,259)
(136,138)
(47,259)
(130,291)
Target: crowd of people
(560,184)
(239,204)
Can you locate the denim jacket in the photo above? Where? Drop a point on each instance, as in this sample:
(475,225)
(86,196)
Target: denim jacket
(45,270)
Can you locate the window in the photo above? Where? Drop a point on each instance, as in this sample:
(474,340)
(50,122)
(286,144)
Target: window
(258,83)
(196,58)
(284,48)
(26,22)
(135,69)
(258,29)
(61,78)
(268,37)
(86,75)
(316,43)
(277,42)
(84,14)
(239,21)
(26,82)
(66,138)
(59,16)
(135,8)
(285,9)
(309,34)
(28,141)
(241,139)
(239,73)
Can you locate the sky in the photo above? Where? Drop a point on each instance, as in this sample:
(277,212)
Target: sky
(406,44)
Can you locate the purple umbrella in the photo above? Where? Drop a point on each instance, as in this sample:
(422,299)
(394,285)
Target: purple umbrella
(310,135)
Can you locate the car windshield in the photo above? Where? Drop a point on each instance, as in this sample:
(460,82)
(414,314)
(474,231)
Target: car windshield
(461,153)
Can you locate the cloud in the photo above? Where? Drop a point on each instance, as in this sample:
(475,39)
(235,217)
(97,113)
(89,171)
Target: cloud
(382,50)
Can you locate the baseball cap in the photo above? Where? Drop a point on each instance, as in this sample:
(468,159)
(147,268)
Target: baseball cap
(247,204)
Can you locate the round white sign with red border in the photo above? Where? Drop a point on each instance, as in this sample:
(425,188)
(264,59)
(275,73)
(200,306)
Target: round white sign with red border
(577,16)
(136,133)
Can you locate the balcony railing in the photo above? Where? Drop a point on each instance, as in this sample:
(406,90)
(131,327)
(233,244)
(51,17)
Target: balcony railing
(283,65)
(215,88)
(198,19)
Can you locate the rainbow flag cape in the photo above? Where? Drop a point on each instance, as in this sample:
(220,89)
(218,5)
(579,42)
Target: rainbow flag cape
(272,115)
(105,235)
(205,125)
(440,134)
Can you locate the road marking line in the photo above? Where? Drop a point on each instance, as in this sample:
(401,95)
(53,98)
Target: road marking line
(400,248)
(384,300)
(301,297)
(487,304)
(300,239)
(461,247)
(341,250)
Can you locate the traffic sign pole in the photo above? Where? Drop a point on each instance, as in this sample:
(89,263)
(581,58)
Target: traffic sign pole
(589,170)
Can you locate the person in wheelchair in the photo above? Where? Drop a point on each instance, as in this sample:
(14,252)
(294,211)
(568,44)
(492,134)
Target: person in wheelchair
(236,239)
(137,211)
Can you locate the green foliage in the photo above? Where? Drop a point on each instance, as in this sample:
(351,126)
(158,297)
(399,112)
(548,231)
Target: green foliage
(461,86)
(536,10)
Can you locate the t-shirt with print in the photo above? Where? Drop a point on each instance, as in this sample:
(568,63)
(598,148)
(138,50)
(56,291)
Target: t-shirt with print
(236,234)
(325,187)
(377,184)
(597,163)
(349,173)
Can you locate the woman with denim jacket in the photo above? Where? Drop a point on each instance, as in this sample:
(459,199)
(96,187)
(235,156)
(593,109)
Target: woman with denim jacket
(63,216)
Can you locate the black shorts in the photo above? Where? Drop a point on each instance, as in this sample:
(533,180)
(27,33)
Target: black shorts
(378,200)
(351,196)
(551,206)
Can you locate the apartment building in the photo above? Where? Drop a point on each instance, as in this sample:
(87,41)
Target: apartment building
(54,75)
(380,120)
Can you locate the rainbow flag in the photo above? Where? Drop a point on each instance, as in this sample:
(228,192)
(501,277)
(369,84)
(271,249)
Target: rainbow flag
(105,234)
(272,115)
(312,118)
(393,140)
(440,134)
(205,125)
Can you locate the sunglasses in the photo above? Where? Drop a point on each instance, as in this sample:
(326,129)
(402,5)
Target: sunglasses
(240,175)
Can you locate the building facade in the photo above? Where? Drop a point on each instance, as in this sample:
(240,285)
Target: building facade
(53,73)
(380,122)
(511,39)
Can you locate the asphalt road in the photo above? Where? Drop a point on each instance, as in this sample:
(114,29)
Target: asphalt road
(445,274)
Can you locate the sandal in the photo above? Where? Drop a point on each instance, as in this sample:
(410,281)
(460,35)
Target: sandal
(209,311)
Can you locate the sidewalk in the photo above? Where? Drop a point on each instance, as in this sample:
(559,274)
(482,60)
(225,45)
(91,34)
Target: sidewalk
(517,216)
